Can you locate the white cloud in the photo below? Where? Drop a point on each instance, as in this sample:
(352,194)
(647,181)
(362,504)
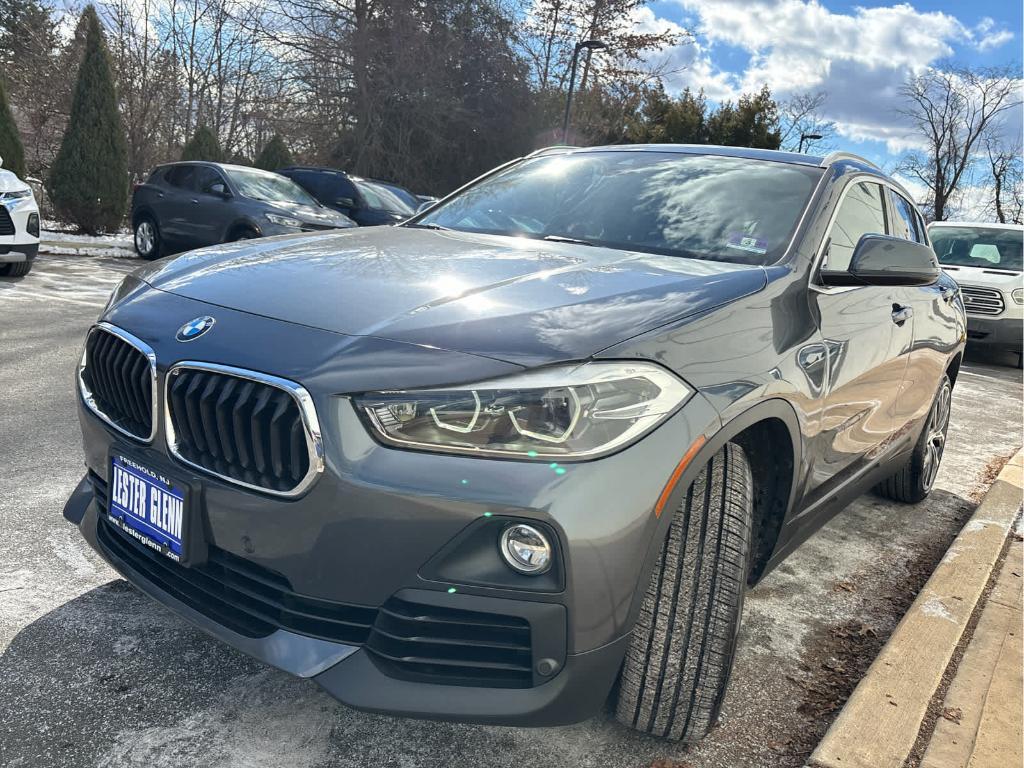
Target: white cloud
(987,37)
(687,64)
(860,59)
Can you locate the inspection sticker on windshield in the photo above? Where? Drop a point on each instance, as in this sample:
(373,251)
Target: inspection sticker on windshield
(743,242)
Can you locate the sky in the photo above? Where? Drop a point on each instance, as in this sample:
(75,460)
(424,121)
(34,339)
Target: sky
(857,53)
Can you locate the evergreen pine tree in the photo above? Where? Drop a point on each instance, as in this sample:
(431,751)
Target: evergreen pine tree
(202,146)
(89,178)
(11,151)
(274,154)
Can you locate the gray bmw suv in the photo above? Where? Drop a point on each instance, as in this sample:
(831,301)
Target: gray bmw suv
(539,439)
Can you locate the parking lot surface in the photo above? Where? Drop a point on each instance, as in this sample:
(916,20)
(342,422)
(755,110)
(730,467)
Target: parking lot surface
(93,673)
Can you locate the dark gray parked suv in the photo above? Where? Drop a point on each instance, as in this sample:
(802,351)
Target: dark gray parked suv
(193,204)
(541,438)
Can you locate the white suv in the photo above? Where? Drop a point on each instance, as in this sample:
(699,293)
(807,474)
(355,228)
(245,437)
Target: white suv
(985,259)
(19,226)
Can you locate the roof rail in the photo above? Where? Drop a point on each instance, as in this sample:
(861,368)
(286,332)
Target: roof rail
(834,157)
(554,148)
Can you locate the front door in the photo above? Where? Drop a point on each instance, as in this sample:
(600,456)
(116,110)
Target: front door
(867,340)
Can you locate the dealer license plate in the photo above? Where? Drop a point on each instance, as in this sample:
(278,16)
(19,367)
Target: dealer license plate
(147,506)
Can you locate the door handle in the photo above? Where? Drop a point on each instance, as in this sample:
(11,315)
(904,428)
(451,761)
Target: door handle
(900,315)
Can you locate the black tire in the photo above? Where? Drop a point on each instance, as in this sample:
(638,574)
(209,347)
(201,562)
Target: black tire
(148,243)
(914,480)
(243,233)
(678,664)
(15,269)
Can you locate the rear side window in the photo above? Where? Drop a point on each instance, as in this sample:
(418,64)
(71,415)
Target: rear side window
(861,213)
(180,176)
(906,223)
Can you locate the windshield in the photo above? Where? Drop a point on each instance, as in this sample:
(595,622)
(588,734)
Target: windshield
(697,206)
(270,187)
(380,197)
(983,247)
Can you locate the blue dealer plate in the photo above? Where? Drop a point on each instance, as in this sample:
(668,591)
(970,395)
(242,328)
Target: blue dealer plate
(147,506)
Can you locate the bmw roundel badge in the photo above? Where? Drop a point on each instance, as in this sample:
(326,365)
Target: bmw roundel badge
(193,329)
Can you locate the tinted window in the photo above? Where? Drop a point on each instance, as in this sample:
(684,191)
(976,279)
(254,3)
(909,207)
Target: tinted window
(204,178)
(861,213)
(269,187)
(180,176)
(984,247)
(696,206)
(906,223)
(383,199)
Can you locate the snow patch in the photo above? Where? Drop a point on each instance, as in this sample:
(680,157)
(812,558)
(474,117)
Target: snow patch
(936,609)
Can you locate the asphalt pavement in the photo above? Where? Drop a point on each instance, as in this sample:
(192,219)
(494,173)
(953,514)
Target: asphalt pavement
(92,673)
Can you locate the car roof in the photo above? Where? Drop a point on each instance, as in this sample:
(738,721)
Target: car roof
(773,155)
(211,164)
(985,224)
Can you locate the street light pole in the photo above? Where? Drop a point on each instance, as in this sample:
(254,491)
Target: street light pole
(592,45)
(807,137)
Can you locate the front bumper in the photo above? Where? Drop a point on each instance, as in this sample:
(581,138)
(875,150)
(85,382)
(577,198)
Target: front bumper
(1005,332)
(20,246)
(370,530)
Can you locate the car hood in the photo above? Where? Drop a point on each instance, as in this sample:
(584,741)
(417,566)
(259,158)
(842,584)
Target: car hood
(984,278)
(307,214)
(513,299)
(9,182)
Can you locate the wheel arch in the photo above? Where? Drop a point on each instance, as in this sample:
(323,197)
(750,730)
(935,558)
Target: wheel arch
(143,211)
(954,367)
(770,434)
(241,225)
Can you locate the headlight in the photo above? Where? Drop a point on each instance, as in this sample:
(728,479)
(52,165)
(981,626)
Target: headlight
(1018,295)
(568,412)
(127,286)
(284,221)
(18,195)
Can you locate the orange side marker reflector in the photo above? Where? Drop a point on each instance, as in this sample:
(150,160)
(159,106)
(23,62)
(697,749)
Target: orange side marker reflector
(677,473)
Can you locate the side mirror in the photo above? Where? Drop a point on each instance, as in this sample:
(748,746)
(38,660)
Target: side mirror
(220,190)
(345,202)
(884,260)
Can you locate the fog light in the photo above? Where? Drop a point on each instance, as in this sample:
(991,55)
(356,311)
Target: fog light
(525,549)
(33,224)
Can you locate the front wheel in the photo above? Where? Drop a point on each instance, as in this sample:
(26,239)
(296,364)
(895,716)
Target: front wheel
(915,479)
(16,269)
(678,664)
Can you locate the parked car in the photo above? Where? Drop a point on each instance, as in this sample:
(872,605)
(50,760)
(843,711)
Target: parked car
(483,464)
(985,260)
(19,225)
(194,204)
(367,202)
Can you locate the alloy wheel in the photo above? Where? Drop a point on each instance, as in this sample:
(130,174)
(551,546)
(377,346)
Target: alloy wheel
(144,237)
(935,431)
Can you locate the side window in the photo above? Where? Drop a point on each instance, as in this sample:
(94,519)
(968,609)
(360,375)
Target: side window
(204,178)
(309,181)
(861,213)
(180,176)
(906,223)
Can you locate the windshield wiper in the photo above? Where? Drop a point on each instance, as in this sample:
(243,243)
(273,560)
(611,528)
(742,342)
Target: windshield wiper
(428,226)
(564,239)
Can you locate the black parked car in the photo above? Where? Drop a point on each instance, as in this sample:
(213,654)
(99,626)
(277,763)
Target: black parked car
(481,465)
(193,204)
(367,202)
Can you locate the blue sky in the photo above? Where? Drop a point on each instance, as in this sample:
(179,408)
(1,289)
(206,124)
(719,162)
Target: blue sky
(857,53)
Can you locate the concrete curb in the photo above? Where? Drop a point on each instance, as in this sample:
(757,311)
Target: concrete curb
(879,725)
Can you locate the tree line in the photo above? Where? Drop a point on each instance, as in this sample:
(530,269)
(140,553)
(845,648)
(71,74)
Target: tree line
(428,93)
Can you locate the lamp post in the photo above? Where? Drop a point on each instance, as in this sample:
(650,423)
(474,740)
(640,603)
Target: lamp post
(590,45)
(807,137)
